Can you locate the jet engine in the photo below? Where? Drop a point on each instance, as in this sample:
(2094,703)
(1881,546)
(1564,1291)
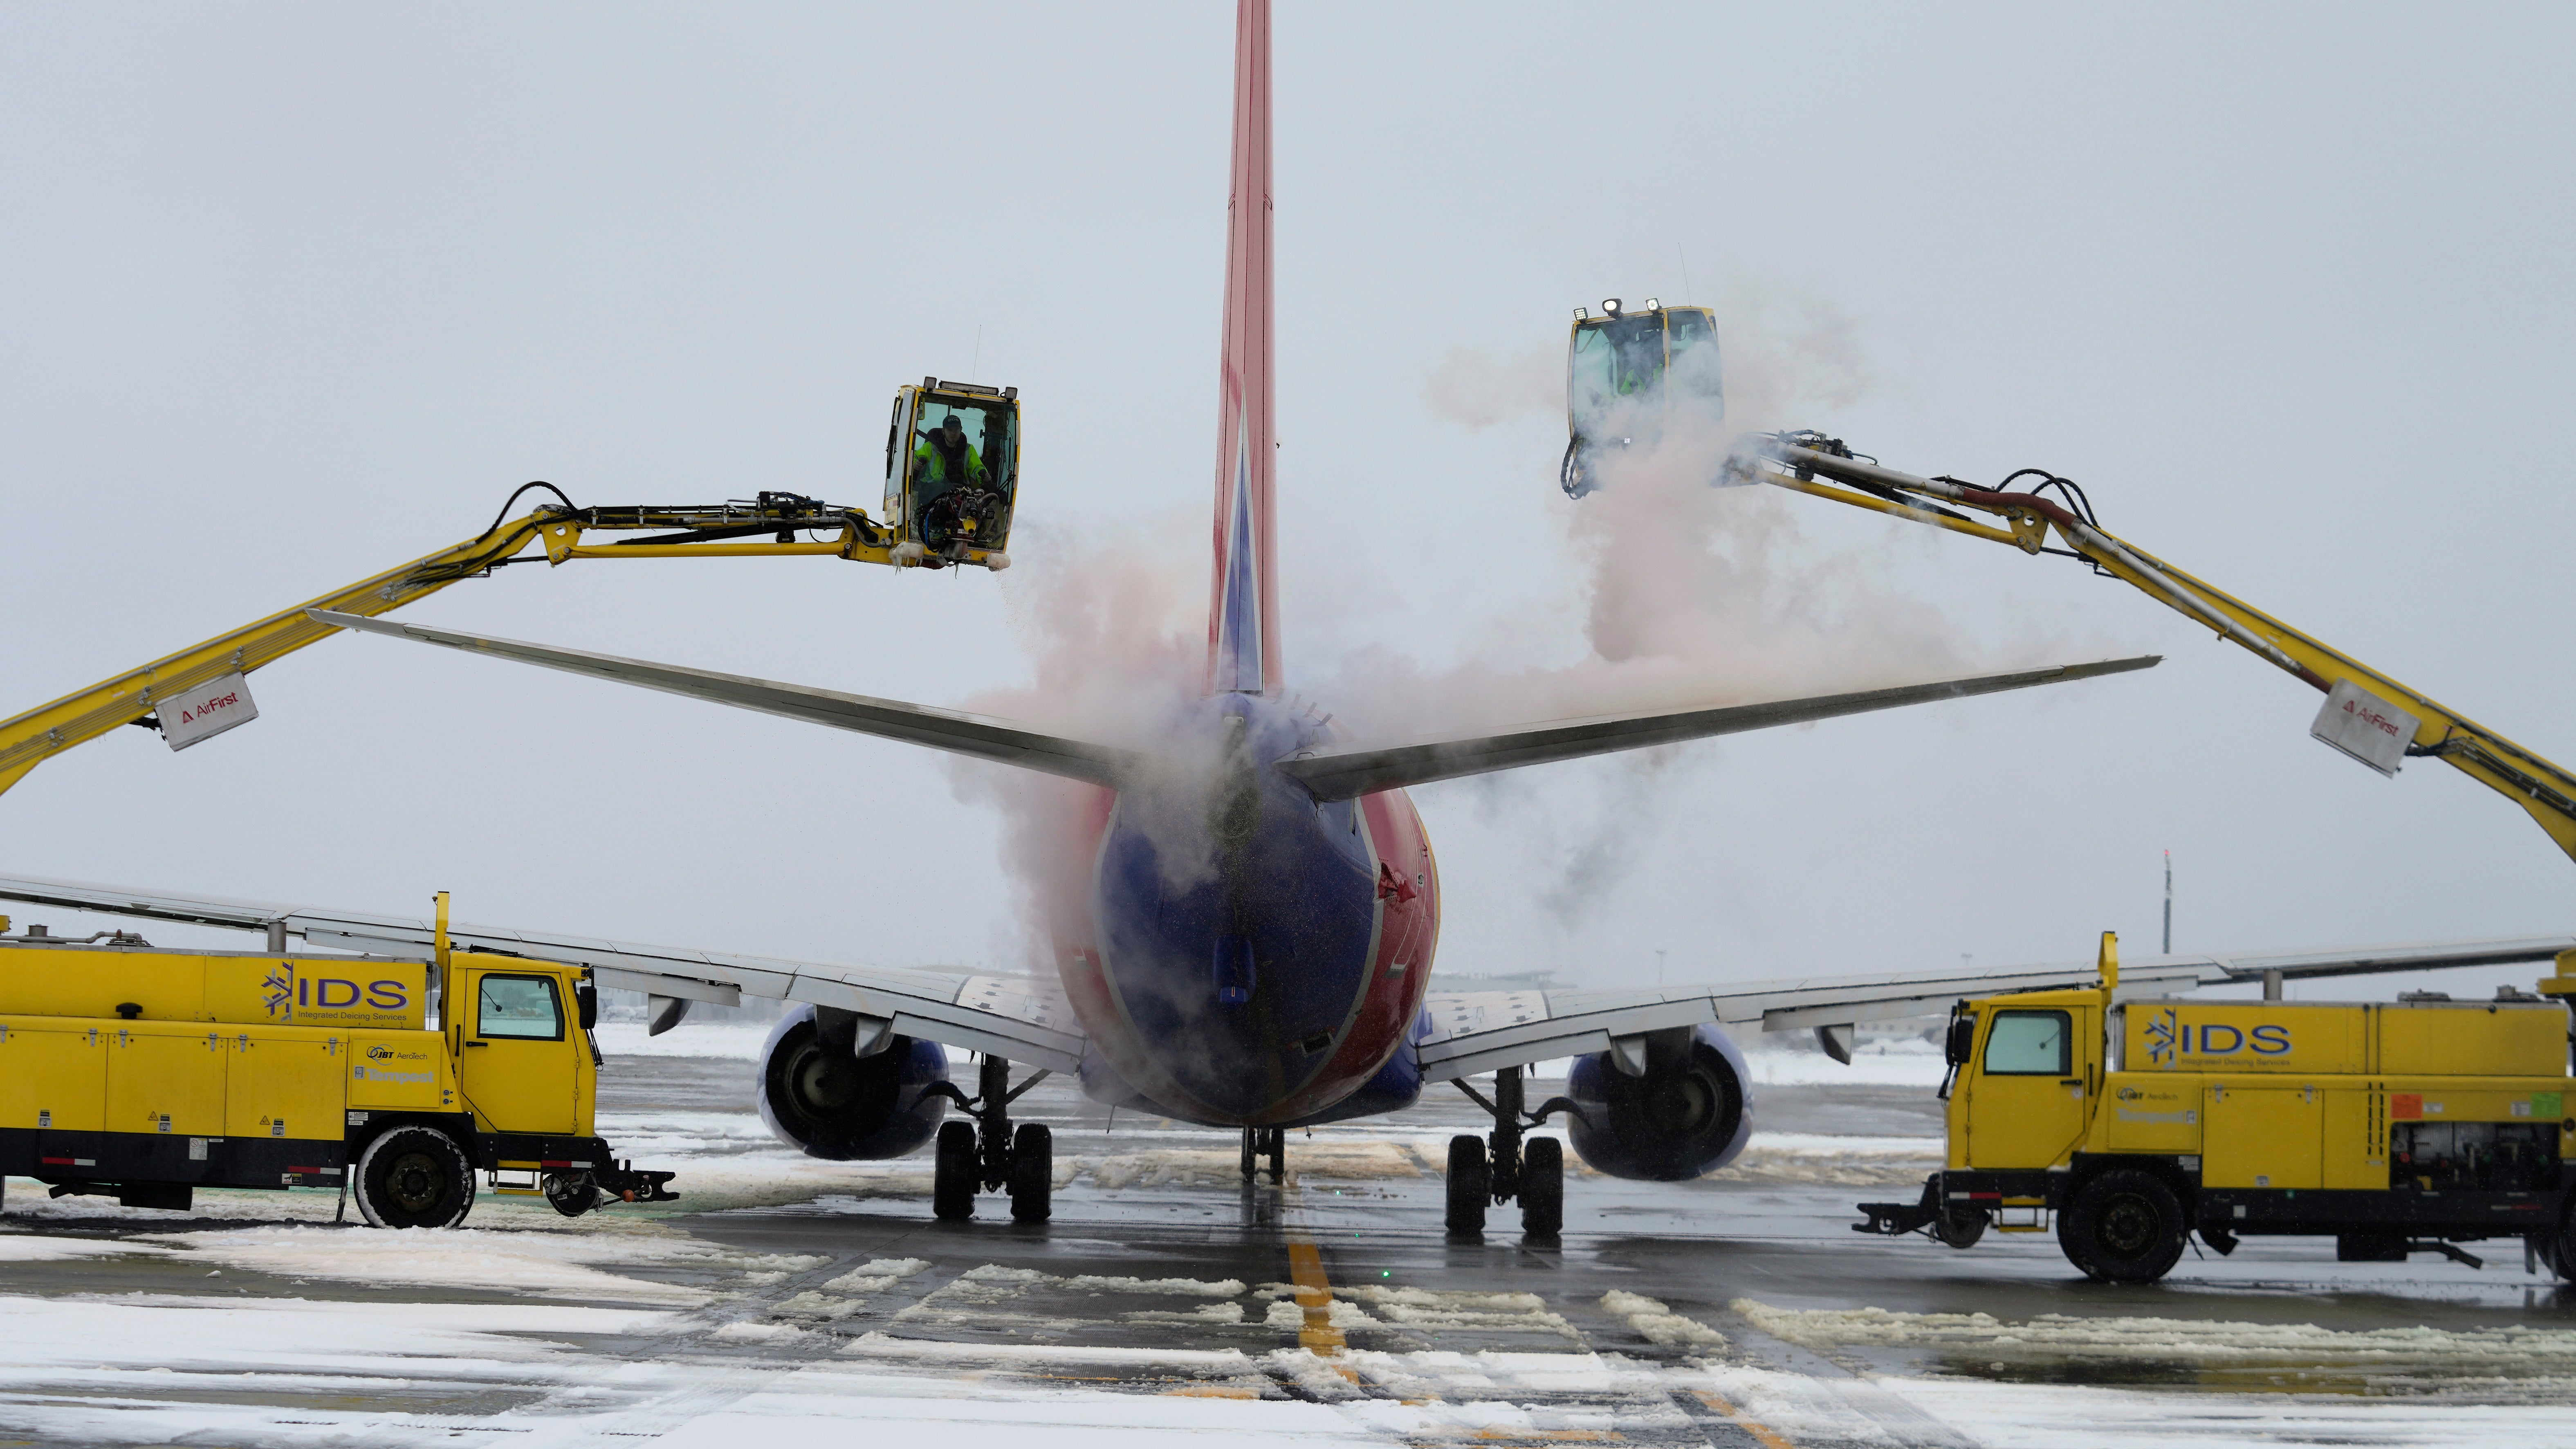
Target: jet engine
(823,1098)
(1663,1107)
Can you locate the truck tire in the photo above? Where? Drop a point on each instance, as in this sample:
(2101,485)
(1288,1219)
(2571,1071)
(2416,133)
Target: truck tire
(2124,1226)
(1032,1173)
(415,1177)
(1542,1188)
(953,1170)
(570,1193)
(2556,1249)
(1960,1228)
(1471,1186)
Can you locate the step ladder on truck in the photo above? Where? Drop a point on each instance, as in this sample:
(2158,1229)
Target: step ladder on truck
(952,459)
(1637,380)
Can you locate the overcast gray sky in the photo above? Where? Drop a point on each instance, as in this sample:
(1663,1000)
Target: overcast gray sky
(298,292)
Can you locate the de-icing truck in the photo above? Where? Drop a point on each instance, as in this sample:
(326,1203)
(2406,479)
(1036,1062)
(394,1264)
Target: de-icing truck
(144,1074)
(2395,1127)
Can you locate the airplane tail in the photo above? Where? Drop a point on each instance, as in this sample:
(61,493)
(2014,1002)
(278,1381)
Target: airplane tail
(1243,612)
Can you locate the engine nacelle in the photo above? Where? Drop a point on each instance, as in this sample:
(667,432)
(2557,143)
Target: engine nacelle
(1688,1114)
(826,1102)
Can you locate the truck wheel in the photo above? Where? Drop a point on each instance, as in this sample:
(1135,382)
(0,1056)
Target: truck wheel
(571,1194)
(953,1171)
(415,1177)
(1032,1173)
(1542,1188)
(1470,1185)
(1960,1229)
(2123,1227)
(2557,1249)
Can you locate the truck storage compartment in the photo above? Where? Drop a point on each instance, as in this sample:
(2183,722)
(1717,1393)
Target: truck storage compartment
(2472,1038)
(2486,1156)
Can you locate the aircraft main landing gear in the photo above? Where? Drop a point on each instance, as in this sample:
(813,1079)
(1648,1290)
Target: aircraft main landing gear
(1269,1142)
(1501,1168)
(986,1153)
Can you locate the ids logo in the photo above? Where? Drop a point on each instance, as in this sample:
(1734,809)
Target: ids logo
(284,993)
(2169,1039)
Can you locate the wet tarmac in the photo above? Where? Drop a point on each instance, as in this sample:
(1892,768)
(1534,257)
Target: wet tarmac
(1740,1309)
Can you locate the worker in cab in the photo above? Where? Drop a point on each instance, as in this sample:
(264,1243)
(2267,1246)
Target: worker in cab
(946,457)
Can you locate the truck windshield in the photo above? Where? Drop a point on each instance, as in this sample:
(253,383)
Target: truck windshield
(519,1006)
(1695,375)
(2030,1043)
(966,453)
(1613,359)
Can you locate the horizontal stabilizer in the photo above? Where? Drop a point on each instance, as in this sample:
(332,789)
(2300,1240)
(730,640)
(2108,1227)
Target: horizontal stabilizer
(961,734)
(1349,771)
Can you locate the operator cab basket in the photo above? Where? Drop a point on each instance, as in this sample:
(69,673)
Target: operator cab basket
(952,473)
(1627,374)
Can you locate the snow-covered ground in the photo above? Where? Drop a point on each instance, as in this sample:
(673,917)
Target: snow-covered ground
(786,1301)
(790,1350)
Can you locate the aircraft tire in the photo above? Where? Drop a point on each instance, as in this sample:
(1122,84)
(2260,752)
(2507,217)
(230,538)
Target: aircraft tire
(1032,1173)
(2123,1227)
(1542,1188)
(415,1177)
(952,1173)
(1471,1186)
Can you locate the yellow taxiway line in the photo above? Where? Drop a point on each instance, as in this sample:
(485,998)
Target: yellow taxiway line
(1762,1433)
(1314,1296)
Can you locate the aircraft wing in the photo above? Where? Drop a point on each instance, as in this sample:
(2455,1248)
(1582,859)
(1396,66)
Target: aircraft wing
(1474,1032)
(1022,1018)
(1340,772)
(978,735)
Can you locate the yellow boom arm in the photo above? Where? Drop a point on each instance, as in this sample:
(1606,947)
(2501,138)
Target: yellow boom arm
(726,530)
(2535,784)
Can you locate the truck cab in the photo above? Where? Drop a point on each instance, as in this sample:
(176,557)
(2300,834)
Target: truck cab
(1628,375)
(2393,1127)
(952,473)
(523,1063)
(2029,1100)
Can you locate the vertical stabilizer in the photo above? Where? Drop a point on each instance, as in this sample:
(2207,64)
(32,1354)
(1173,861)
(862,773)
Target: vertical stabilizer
(1243,613)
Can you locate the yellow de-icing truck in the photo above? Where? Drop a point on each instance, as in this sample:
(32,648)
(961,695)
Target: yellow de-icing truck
(143,1074)
(2392,1127)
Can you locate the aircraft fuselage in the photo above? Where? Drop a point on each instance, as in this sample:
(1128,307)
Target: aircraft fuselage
(1248,955)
